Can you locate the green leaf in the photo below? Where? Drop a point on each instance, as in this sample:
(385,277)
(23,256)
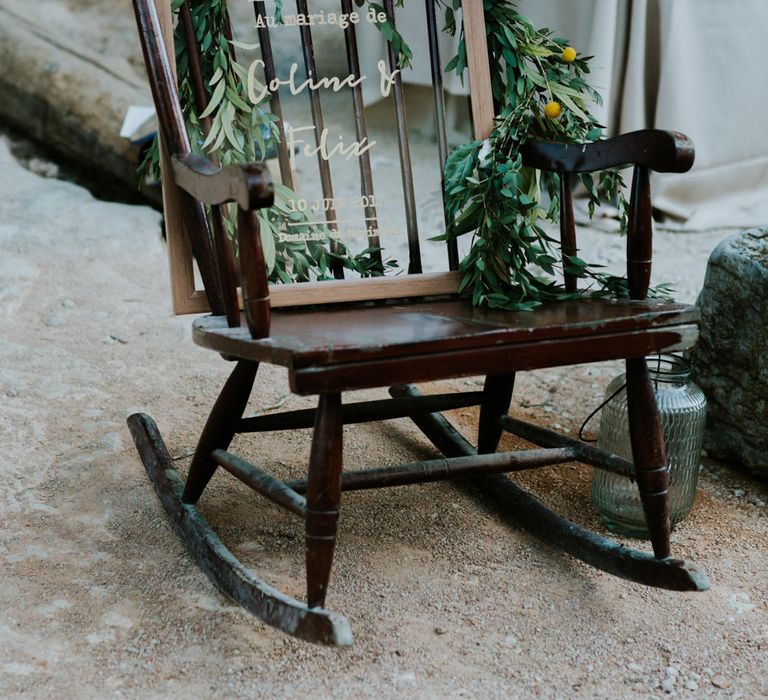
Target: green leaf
(268,236)
(218,75)
(218,94)
(243,45)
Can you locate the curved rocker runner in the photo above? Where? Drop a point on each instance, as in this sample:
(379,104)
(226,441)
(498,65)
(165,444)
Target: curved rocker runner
(394,332)
(259,598)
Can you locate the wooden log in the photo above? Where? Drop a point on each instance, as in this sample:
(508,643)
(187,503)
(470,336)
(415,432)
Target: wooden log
(253,275)
(640,234)
(567,229)
(49,87)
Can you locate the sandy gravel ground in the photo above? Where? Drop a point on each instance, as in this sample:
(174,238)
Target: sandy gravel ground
(98,599)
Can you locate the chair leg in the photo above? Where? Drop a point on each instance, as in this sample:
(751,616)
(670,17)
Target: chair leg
(220,428)
(323,496)
(497,394)
(649,454)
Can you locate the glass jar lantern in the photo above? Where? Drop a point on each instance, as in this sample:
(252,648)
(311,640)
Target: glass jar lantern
(683,407)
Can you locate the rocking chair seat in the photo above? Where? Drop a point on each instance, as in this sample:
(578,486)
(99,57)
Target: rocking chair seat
(368,346)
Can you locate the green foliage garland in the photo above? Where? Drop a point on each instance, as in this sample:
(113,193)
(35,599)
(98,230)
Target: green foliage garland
(539,82)
(513,263)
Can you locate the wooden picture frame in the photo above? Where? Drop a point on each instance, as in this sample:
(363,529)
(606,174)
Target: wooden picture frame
(187,298)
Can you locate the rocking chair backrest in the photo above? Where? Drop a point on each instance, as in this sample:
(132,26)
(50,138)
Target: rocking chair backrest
(207,245)
(646,150)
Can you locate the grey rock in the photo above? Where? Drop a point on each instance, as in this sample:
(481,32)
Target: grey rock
(730,360)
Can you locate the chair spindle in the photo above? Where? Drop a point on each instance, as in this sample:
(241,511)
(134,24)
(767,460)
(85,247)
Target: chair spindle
(326,181)
(640,234)
(265,43)
(224,256)
(440,111)
(361,130)
(567,228)
(406,167)
(252,266)
(198,87)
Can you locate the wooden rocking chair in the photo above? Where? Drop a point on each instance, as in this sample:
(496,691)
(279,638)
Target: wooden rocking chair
(395,331)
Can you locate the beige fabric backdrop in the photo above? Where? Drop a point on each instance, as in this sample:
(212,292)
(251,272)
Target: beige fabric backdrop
(695,66)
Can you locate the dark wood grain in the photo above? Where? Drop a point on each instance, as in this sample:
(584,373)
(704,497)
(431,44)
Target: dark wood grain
(361,134)
(444,469)
(323,496)
(404,150)
(649,454)
(253,274)
(494,359)
(225,266)
(363,412)
(261,482)
(195,69)
(497,393)
(441,121)
(275,105)
(404,338)
(320,337)
(662,151)
(220,428)
(248,184)
(585,453)
(324,168)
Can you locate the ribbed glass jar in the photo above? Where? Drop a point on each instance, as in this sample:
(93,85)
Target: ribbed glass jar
(683,409)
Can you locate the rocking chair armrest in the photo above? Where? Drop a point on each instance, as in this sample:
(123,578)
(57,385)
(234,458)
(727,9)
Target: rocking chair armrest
(248,184)
(662,151)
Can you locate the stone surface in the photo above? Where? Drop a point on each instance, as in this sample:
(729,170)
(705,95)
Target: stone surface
(731,359)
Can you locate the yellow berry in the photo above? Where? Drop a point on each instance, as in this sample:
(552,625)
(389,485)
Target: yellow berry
(552,109)
(569,54)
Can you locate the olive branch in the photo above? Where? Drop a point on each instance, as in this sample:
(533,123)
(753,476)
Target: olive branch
(539,82)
